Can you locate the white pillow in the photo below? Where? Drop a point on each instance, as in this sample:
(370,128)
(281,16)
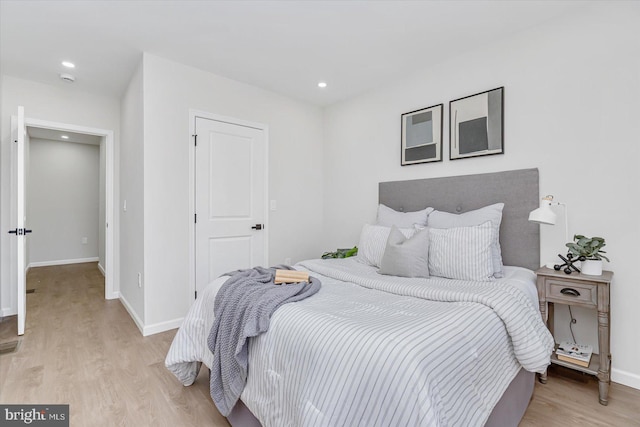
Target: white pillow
(462,253)
(492,213)
(406,257)
(373,241)
(388,217)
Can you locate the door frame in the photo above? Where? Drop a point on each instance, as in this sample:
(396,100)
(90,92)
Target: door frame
(111,290)
(193,115)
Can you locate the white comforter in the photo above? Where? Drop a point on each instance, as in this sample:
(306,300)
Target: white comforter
(381,351)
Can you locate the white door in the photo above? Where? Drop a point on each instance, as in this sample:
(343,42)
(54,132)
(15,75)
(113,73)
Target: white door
(230,199)
(18,138)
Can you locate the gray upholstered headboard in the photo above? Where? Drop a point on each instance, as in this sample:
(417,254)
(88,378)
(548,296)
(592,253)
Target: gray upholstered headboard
(518,190)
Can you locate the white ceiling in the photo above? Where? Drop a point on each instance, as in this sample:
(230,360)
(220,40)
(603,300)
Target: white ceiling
(282,46)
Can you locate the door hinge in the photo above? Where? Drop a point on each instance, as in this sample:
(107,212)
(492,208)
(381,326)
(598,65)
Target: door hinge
(196,294)
(195,140)
(195,218)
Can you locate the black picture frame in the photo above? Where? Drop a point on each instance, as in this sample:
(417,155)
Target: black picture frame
(421,136)
(476,125)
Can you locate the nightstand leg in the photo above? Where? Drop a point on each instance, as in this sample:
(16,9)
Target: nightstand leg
(544,308)
(543,377)
(604,372)
(603,388)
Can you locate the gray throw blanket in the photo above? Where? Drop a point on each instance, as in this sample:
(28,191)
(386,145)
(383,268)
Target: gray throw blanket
(243,308)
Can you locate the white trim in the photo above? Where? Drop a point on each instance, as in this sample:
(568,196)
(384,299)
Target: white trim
(62,262)
(131,312)
(101,268)
(191,287)
(193,115)
(156,328)
(625,378)
(8,311)
(111,287)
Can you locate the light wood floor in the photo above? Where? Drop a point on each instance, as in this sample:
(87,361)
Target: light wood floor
(85,351)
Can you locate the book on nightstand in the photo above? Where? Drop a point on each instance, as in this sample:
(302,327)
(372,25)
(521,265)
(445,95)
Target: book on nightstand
(574,353)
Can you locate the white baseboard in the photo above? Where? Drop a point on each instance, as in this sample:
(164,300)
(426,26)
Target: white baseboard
(625,378)
(101,269)
(113,295)
(156,328)
(132,313)
(147,330)
(8,311)
(62,262)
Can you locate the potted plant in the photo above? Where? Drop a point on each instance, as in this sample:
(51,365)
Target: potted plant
(591,249)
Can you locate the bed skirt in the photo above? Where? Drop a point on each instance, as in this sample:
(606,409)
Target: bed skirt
(508,411)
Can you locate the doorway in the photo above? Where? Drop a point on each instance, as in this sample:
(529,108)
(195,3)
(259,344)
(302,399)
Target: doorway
(65,198)
(106,144)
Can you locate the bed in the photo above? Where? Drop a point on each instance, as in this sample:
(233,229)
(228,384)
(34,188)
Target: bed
(381,350)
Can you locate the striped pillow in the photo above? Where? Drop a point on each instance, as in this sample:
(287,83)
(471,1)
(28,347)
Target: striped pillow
(373,241)
(462,253)
(388,217)
(491,213)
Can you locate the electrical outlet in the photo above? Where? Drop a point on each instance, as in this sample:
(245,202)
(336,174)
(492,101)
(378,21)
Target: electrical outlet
(139,280)
(85,240)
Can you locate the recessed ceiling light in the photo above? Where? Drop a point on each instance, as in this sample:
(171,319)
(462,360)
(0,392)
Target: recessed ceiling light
(64,136)
(68,64)
(322,85)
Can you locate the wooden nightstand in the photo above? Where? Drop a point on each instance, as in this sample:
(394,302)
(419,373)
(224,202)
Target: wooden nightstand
(585,291)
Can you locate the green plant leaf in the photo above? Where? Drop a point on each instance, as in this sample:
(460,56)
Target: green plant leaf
(351,252)
(340,253)
(588,247)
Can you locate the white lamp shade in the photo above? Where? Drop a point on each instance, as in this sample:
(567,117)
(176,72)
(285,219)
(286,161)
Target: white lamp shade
(543,215)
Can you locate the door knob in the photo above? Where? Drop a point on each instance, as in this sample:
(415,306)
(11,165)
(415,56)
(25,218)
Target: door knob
(257,227)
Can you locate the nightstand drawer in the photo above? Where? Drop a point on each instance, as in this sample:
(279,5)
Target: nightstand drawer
(567,292)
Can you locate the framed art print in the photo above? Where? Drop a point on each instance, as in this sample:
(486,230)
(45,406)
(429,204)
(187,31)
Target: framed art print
(422,136)
(476,125)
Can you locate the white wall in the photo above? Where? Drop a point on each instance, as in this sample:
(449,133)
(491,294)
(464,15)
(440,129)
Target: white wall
(572,102)
(67,105)
(295,174)
(63,201)
(132,190)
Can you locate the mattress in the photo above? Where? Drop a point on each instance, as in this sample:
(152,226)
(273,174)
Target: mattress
(380,351)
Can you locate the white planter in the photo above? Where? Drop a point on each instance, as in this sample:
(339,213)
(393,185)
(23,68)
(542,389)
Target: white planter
(592,267)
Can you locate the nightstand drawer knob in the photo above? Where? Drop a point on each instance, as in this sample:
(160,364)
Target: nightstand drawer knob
(570,291)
